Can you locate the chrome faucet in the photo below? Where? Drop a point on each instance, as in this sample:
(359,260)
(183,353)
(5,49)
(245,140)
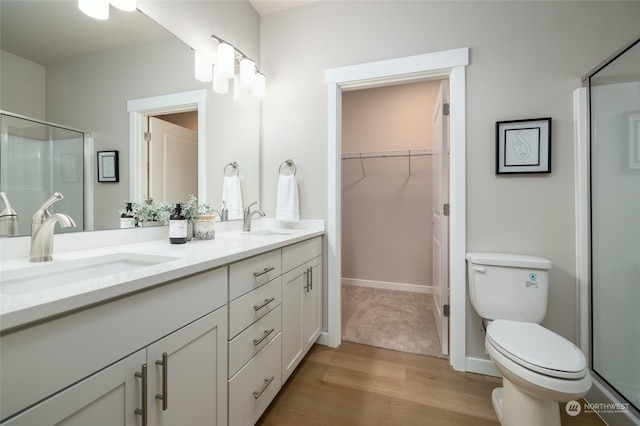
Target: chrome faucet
(8,218)
(42,224)
(248,214)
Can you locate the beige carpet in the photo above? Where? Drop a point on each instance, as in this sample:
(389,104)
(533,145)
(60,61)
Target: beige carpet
(398,320)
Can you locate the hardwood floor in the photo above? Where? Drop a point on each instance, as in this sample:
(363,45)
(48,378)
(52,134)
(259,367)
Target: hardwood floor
(363,385)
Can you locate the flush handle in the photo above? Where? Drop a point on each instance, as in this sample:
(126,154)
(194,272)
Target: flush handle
(479,269)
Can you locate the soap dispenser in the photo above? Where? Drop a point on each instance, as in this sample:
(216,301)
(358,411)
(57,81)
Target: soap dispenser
(225,212)
(8,218)
(177,226)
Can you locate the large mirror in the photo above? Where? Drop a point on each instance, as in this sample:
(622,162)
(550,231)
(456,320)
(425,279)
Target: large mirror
(61,67)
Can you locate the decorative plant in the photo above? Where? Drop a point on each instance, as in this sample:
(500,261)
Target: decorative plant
(192,211)
(150,211)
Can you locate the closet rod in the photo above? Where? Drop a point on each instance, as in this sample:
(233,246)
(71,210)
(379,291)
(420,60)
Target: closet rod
(387,154)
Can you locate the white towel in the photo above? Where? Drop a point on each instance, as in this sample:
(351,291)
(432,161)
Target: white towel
(232,196)
(287,203)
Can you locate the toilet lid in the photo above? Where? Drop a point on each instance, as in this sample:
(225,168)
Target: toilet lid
(537,348)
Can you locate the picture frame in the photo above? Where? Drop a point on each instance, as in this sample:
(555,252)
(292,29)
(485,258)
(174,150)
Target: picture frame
(108,170)
(523,146)
(634,139)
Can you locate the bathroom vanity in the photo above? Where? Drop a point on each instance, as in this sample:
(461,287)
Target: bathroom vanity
(201,333)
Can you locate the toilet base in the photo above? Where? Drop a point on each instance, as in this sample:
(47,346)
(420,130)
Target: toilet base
(517,408)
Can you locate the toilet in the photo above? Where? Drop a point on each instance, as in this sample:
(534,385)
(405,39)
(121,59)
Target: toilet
(540,369)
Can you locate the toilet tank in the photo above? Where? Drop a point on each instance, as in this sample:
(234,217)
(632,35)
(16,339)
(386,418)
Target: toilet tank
(508,286)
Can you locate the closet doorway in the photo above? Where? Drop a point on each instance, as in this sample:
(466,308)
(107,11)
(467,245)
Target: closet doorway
(394,184)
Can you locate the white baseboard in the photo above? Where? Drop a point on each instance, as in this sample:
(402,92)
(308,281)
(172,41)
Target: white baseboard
(481,366)
(415,288)
(323,339)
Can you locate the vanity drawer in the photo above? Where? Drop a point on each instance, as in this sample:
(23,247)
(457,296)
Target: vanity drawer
(297,254)
(254,387)
(248,343)
(251,273)
(247,309)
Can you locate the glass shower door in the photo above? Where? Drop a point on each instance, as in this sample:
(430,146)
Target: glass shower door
(36,160)
(615,223)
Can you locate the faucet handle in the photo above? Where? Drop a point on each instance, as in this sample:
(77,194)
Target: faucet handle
(43,213)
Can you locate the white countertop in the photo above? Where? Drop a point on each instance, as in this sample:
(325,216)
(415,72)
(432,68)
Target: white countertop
(195,256)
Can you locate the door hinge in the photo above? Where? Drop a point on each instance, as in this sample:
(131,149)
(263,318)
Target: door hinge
(445,209)
(445,310)
(445,108)
(147,136)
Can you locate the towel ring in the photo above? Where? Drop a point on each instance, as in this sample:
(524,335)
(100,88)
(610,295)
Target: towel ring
(289,163)
(235,167)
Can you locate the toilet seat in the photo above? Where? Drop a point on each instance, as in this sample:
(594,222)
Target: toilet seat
(536,348)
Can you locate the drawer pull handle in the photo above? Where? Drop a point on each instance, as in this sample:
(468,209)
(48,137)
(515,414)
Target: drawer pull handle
(310,278)
(257,274)
(143,411)
(164,397)
(267,382)
(305,275)
(266,302)
(264,336)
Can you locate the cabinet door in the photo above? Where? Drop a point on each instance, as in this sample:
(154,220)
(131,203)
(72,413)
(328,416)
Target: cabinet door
(292,344)
(187,374)
(109,397)
(312,304)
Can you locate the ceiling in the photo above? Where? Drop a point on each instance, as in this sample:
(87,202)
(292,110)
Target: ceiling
(47,32)
(265,7)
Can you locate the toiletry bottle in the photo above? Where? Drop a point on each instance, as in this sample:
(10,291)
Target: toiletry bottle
(225,213)
(126,219)
(177,226)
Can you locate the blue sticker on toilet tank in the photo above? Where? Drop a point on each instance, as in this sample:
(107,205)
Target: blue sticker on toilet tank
(532,281)
(533,276)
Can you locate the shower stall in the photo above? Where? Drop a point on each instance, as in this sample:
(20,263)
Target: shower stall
(36,160)
(614,234)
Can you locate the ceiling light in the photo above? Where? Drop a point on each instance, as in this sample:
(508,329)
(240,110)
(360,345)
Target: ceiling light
(98,9)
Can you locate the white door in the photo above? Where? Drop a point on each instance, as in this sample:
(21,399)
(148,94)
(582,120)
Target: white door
(173,162)
(440,221)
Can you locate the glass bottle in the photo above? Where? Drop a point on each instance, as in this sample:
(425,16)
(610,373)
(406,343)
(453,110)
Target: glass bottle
(177,226)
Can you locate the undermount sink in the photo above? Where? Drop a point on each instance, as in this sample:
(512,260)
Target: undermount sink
(57,273)
(268,232)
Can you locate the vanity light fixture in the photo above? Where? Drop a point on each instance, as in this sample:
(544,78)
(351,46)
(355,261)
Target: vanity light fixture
(248,82)
(99,9)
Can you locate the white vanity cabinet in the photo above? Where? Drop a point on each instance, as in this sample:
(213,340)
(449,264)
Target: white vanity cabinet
(84,368)
(301,301)
(254,336)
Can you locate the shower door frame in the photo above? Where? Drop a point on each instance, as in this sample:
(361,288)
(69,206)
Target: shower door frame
(601,391)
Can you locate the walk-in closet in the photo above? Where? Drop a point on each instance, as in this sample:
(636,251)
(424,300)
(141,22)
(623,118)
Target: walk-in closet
(387,173)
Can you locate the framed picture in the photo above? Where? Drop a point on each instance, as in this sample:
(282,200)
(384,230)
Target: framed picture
(108,166)
(634,140)
(523,146)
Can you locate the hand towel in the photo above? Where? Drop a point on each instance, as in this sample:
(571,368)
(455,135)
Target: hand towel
(232,196)
(287,203)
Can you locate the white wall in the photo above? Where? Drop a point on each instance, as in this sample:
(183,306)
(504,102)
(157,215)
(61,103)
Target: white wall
(22,86)
(526,59)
